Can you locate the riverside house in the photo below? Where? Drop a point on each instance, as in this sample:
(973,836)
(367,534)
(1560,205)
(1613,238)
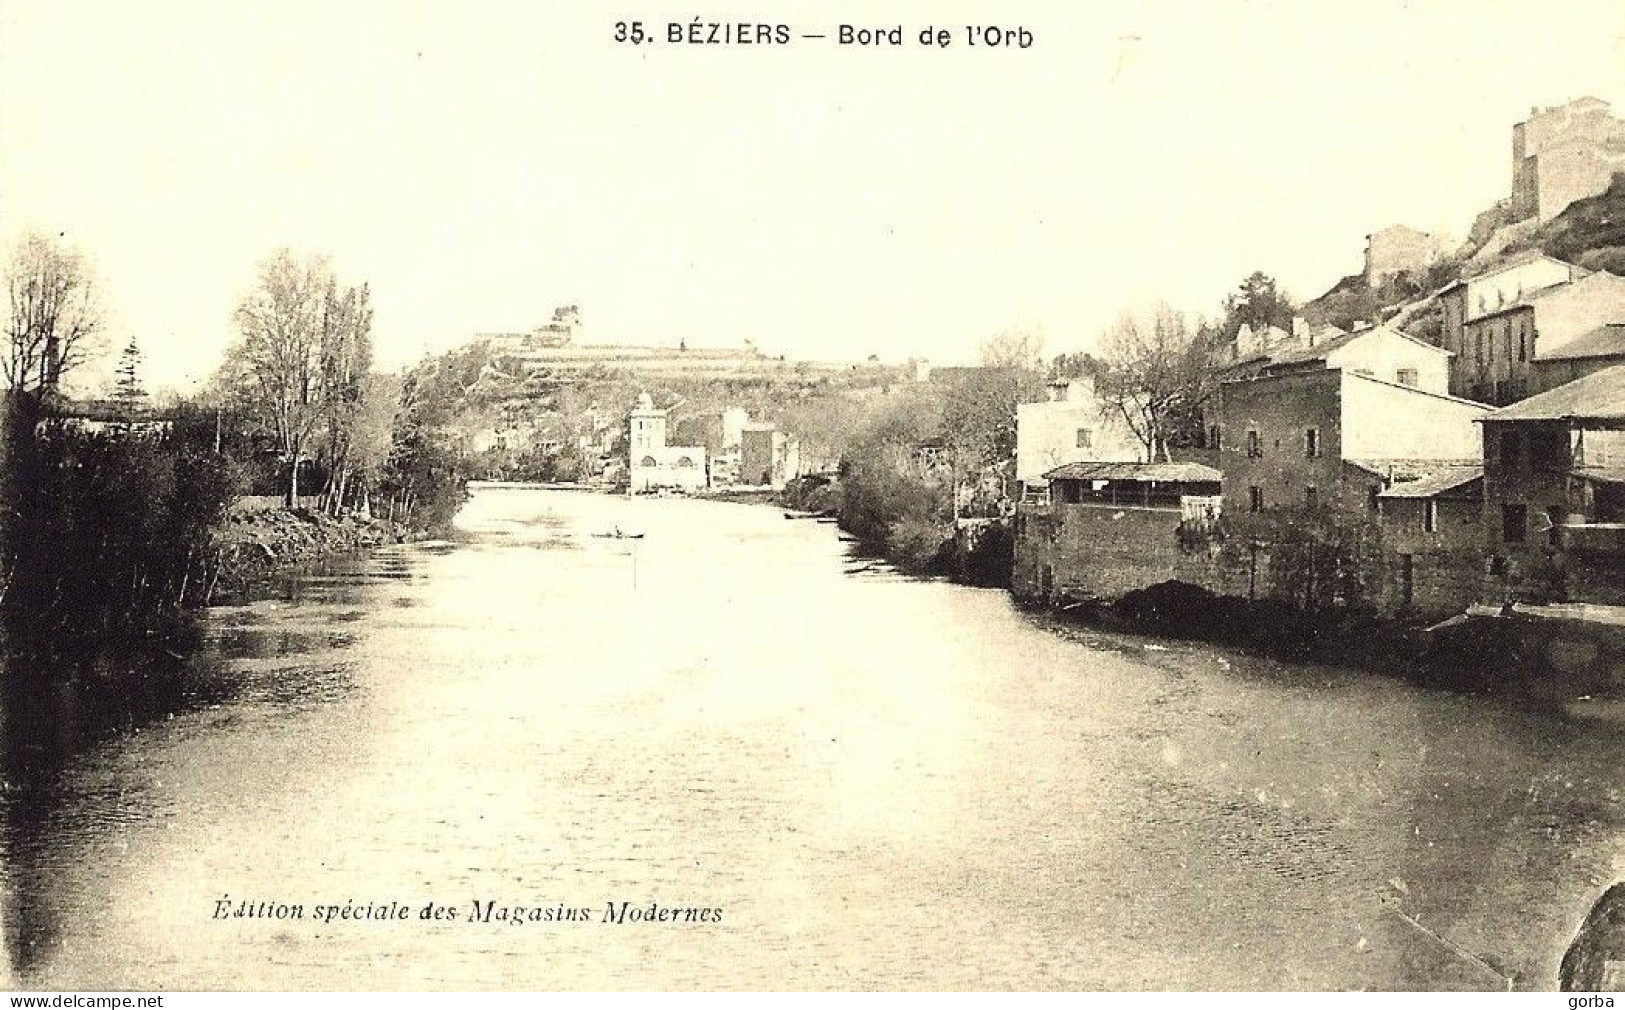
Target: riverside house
(1554,491)
(1310,435)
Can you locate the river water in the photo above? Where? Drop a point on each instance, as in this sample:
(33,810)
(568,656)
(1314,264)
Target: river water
(875,782)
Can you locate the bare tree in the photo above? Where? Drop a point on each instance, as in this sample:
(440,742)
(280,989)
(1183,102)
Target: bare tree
(55,314)
(1156,376)
(283,323)
(346,356)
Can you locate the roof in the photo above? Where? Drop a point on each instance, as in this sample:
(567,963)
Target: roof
(1599,396)
(1605,341)
(1398,470)
(1321,350)
(1446,478)
(1160,472)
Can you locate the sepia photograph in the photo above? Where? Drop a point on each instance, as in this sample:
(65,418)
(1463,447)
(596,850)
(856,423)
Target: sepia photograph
(817,496)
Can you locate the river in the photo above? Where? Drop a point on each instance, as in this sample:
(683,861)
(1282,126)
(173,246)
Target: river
(861,780)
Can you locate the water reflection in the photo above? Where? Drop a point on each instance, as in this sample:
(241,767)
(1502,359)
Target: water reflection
(883,782)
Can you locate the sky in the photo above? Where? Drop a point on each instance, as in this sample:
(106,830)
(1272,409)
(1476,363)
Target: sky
(480,163)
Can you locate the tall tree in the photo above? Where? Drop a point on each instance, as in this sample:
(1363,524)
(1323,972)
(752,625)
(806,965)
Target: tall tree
(283,324)
(979,409)
(1257,302)
(128,391)
(1157,376)
(55,314)
(346,356)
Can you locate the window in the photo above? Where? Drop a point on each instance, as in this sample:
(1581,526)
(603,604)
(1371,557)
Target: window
(1430,516)
(1255,499)
(1511,449)
(1514,523)
(1549,450)
(1523,344)
(1255,446)
(648,461)
(1311,442)
(1311,498)
(1085,438)
(1213,439)
(1406,376)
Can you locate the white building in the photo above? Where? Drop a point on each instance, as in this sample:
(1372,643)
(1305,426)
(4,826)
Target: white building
(1072,426)
(652,464)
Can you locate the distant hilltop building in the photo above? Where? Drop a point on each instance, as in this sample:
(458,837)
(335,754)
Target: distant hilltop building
(1562,154)
(557,349)
(1398,250)
(561,331)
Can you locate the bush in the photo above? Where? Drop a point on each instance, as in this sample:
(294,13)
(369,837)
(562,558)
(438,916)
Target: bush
(919,546)
(107,529)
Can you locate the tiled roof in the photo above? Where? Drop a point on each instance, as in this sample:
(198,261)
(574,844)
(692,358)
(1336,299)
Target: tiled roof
(1409,469)
(1161,472)
(1605,341)
(1320,351)
(1599,396)
(1446,478)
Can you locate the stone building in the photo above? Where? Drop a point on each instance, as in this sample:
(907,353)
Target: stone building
(1399,250)
(1491,291)
(1554,491)
(1603,347)
(1382,352)
(1105,529)
(652,465)
(1562,154)
(1432,540)
(1499,349)
(767,456)
(1333,439)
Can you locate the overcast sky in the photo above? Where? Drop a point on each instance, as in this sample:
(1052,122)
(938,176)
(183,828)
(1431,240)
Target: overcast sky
(480,163)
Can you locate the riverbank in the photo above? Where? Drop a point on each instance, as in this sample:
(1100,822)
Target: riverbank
(1560,660)
(254,545)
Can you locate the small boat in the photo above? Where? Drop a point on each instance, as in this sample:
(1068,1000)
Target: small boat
(798,514)
(619,535)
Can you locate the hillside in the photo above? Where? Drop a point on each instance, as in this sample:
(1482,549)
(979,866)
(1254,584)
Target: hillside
(1589,232)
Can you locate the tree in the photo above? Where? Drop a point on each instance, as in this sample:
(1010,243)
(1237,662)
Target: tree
(1156,376)
(979,408)
(283,325)
(345,357)
(130,394)
(55,313)
(1259,303)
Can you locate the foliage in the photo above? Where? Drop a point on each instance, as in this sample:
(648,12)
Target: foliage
(129,393)
(301,364)
(1257,302)
(103,531)
(1158,377)
(919,545)
(55,317)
